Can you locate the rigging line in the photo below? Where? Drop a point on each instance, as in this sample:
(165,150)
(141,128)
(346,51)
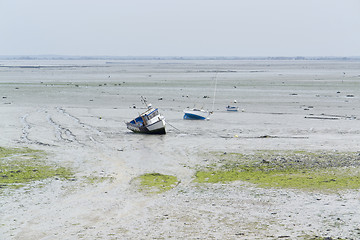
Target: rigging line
(214,91)
(144,101)
(173,126)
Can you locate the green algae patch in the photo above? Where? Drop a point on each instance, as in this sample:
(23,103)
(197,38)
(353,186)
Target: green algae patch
(20,166)
(7,152)
(155,182)
(97,178)
(285,169)
(323,238)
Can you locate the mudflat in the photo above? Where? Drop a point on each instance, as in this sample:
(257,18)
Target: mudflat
(74,113)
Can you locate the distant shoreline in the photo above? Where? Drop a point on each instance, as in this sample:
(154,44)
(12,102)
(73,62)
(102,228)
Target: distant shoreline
(66,57)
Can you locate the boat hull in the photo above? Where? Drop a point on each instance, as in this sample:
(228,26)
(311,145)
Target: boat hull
(190,116)
(232,109)
(155,128)
(196,114)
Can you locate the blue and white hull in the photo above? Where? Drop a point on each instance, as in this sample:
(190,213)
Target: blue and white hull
(148,122)
(154,128)
(232,109)
(196,114)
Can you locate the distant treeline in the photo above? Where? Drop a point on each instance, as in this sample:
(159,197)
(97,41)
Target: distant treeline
(64,57)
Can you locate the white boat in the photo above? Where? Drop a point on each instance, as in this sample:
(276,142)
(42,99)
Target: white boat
(150,121)
(196,114)
(232,109)
(200,114)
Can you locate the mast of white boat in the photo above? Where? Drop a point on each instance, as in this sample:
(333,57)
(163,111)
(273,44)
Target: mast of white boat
(213,106)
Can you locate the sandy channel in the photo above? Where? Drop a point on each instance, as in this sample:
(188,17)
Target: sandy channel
(75,111)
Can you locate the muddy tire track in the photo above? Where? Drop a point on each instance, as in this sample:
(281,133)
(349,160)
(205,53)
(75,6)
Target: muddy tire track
(91,132)
(24,138)
(76,119)
(25,129)
(62,133)
(57,126)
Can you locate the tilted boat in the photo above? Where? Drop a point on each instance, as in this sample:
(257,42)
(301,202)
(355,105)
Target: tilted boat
(196,114)
(150,121)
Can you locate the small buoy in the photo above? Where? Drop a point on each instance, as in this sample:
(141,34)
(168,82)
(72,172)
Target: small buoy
(236,136)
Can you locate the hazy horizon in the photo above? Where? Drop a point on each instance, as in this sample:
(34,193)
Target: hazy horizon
(110,57)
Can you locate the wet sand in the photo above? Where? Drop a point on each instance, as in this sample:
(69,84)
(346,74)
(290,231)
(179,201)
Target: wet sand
(75,111)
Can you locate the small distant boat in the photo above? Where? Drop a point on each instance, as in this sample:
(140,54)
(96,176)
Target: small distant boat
(150,121)
(232,109)
(196,114)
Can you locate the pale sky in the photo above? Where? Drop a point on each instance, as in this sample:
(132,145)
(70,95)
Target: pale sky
(180,27)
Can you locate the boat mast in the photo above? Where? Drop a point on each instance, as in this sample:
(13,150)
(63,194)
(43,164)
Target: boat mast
(143,100)
(214,92)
